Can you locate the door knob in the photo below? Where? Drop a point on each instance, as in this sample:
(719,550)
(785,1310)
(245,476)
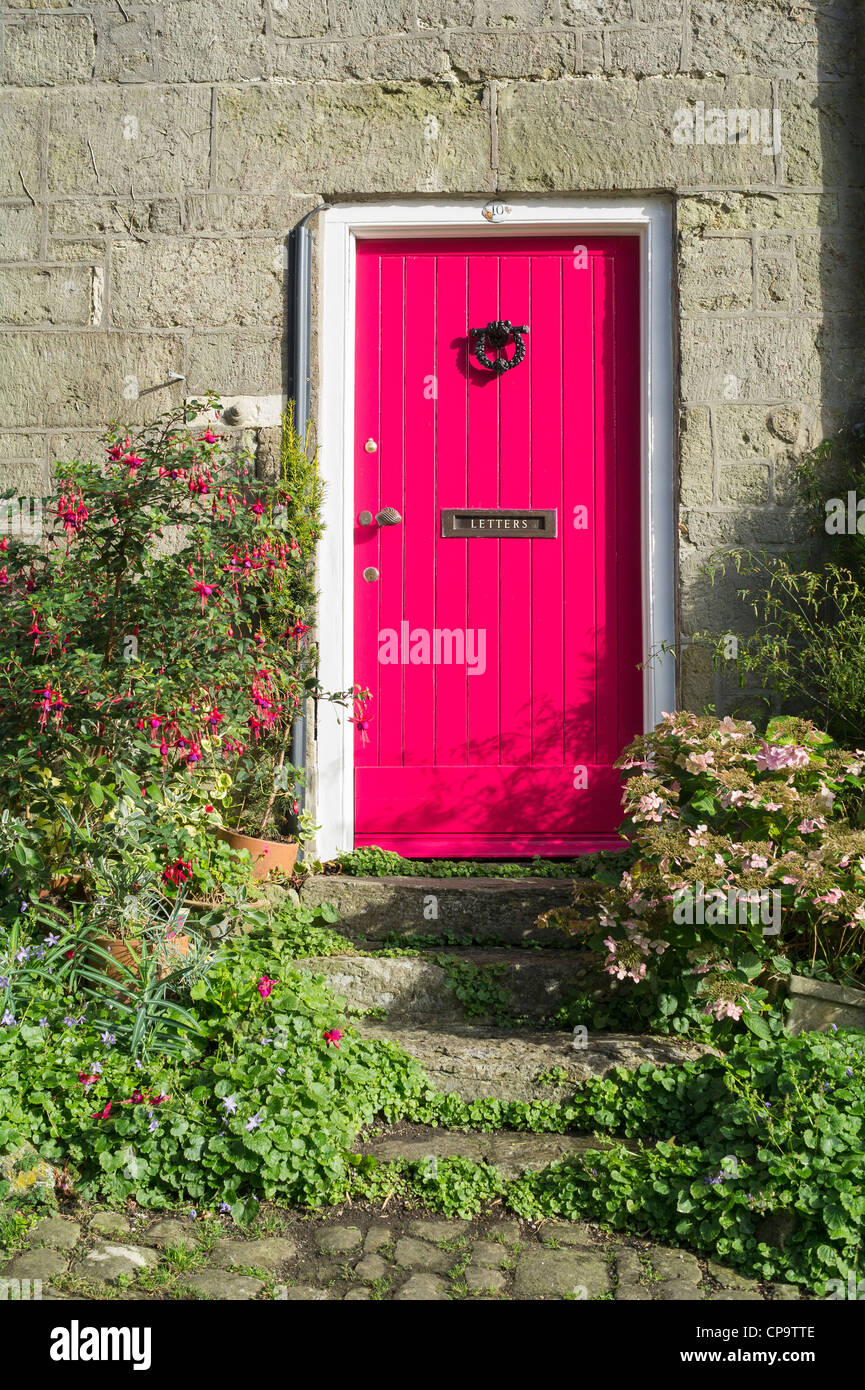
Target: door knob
(388,516)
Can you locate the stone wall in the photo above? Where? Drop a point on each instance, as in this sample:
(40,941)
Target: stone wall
(153,158)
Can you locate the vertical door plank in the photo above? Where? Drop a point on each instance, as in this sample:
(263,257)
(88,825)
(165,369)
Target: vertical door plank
(391,454)
(419,517)
(366,546)
(484,723)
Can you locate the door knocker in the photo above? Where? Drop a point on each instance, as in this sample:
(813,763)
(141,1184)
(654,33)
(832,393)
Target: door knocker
(495,336)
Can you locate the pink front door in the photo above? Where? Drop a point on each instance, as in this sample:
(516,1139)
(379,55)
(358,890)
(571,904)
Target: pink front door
(497,623)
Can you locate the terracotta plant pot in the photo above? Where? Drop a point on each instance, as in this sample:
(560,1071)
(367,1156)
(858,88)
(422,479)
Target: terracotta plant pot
(266,854)
(125,952)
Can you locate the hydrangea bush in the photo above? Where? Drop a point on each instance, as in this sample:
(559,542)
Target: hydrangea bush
(750,861)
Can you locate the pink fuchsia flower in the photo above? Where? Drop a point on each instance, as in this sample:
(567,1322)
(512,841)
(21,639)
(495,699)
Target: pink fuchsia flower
(87,1079)
(332,1036)
(178,872)
(265,986)
(158,1100)
(102,1114)
(206,591)
(209,437)
(137,1098)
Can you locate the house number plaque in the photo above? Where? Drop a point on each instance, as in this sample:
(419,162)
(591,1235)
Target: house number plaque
(499,523)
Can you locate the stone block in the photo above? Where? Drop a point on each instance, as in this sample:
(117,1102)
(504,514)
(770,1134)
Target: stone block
(761,431)
(270,1252)
(353,138)
(55,1233)
(243,214)
(715,273)
(482,1280)
(750,360)
(19,233)
(443,14)
(595,134)
(561,1274)
(77,379)
(37,1264)
(109,1223)
(523,15)
(788,40)
(126,50)
(155,140)
(419,1254)
(197,282)
(47,295)
(738,211)
(645,52)
(817,125)
(108,1262)
(364,17)
(339,1239)
(226,1287)
(774,269)
(404,58)
(21,446)
(830,274)
(697,677)
(485,57)
(696,466)
(235,364)
(46,52)
(598,12)
(20,122)
(298,19)
(423,1288)
(198,41)
(745,482)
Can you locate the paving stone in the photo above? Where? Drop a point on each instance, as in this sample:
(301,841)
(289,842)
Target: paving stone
(674,1264)
(629,1292)
(339,1238)
(483,1280)
(354,1295)
(508,1231)
(300,1293)
(219,1284)
(422,1287)
(676,1291)
(575,1233)
(558,1273)
(421,1255)
(629,1266)
(729,1278)
(437,1230)
(786,1292)
(111,1262)
(488,1252)
(37,1264)
(169,1233)
(56,1232)
(112,1223)
(371,1267)
(736,1296)
(376,1237)
(269,1253)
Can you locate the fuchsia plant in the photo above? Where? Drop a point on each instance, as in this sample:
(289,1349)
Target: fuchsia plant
(158,644)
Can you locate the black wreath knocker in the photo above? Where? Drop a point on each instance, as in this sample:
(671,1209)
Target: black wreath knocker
(495,336)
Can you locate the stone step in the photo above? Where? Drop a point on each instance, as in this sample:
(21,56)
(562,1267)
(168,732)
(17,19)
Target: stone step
(470,908)
(511,1064)
(518,983)
(510,1152)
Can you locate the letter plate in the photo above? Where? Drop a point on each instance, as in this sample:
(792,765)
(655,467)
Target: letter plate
(498,523)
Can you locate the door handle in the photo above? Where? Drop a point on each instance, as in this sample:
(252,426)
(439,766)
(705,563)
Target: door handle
(388,516)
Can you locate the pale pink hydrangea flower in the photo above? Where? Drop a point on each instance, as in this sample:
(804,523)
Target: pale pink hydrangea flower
(723,1008)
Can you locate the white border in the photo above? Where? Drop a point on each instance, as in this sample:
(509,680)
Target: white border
(648,218)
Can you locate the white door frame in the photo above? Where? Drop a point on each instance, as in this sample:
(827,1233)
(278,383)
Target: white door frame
(650,219)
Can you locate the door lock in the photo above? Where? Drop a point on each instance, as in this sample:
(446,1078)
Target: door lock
(370,574)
